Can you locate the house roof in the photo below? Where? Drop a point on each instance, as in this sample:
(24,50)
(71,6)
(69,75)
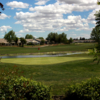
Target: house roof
(31,40)
(3,41)
(39,40)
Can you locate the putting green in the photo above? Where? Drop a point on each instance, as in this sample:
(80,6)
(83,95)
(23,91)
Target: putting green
(42,61)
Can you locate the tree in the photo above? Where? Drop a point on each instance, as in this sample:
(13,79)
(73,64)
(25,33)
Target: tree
(54,37)
(1,6)
(95,34)
(16,40)
(42,42)
(10,36)
(23,41)
(70,40)
(41,38)
(29,36)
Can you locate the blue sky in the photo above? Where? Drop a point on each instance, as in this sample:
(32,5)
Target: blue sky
(40,17)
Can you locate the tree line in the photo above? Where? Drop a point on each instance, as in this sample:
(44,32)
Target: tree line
(58,38)
(52,38)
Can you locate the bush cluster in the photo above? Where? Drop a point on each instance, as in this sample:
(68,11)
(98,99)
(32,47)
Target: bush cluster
(13,87)
(89,90)
(30,43)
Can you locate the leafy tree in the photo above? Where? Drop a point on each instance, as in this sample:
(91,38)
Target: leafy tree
(23,41)
(95,34)
(16,40)
(42,42)
(41,38)
(28,36)
(1,6)
(61,38)
(70,40)
(10,36)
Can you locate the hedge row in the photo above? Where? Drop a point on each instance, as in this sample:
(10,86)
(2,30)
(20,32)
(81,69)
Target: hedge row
(13,87)
(89,90)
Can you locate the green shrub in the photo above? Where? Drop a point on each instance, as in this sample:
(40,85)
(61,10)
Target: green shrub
(89,90)
(13,87)
(30,43)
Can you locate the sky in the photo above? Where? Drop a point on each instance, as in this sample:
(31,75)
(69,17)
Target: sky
(40,17)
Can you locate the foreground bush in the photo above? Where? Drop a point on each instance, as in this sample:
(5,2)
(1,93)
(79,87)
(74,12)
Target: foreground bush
(89,90)
(19,88)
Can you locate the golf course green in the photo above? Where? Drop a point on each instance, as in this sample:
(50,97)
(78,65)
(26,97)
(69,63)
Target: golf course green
(57,72)
(42,60)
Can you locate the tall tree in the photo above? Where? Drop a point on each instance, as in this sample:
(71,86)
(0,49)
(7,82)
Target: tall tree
(10,36)
(95,34)
(61,38)
(1,6)
(23,41)
(70,40)
(16,40)
(29,36)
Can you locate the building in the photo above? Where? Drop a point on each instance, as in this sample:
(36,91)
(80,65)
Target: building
(83,41)
(4,42)
(33,41)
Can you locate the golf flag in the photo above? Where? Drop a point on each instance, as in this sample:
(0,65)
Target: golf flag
(38,48)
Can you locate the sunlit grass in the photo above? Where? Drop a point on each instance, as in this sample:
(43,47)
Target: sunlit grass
(66,71)
(42,60)
(67,47)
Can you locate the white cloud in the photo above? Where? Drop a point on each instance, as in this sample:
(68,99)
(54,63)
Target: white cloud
(4,16)
(19,35)
(91,17)
(80,5)
(4,28)
(84,35)
(41,2)
(50,18)
(74,34)
(78,1)
(2,35)
(41,22)
(15,4)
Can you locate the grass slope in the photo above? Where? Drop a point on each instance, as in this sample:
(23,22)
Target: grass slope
(59,75)
(70,48)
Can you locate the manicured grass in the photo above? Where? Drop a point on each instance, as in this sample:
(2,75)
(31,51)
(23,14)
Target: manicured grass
(42,61)
(60,74)
(68,47)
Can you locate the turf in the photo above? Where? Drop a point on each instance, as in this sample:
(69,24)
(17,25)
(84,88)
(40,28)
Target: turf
(43,60)
(60,74)
(69,47)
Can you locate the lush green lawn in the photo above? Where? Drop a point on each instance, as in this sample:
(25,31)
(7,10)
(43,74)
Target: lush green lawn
(43,60)
(57,72)
(69,48)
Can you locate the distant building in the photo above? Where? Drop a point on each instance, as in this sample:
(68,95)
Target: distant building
(33,41)
(4,42)
(83,41)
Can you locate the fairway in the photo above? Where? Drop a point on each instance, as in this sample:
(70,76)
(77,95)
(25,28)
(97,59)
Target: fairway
(59,48)
(42,60)
(57,72)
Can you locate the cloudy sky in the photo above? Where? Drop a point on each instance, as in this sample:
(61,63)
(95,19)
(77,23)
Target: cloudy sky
(40,17)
